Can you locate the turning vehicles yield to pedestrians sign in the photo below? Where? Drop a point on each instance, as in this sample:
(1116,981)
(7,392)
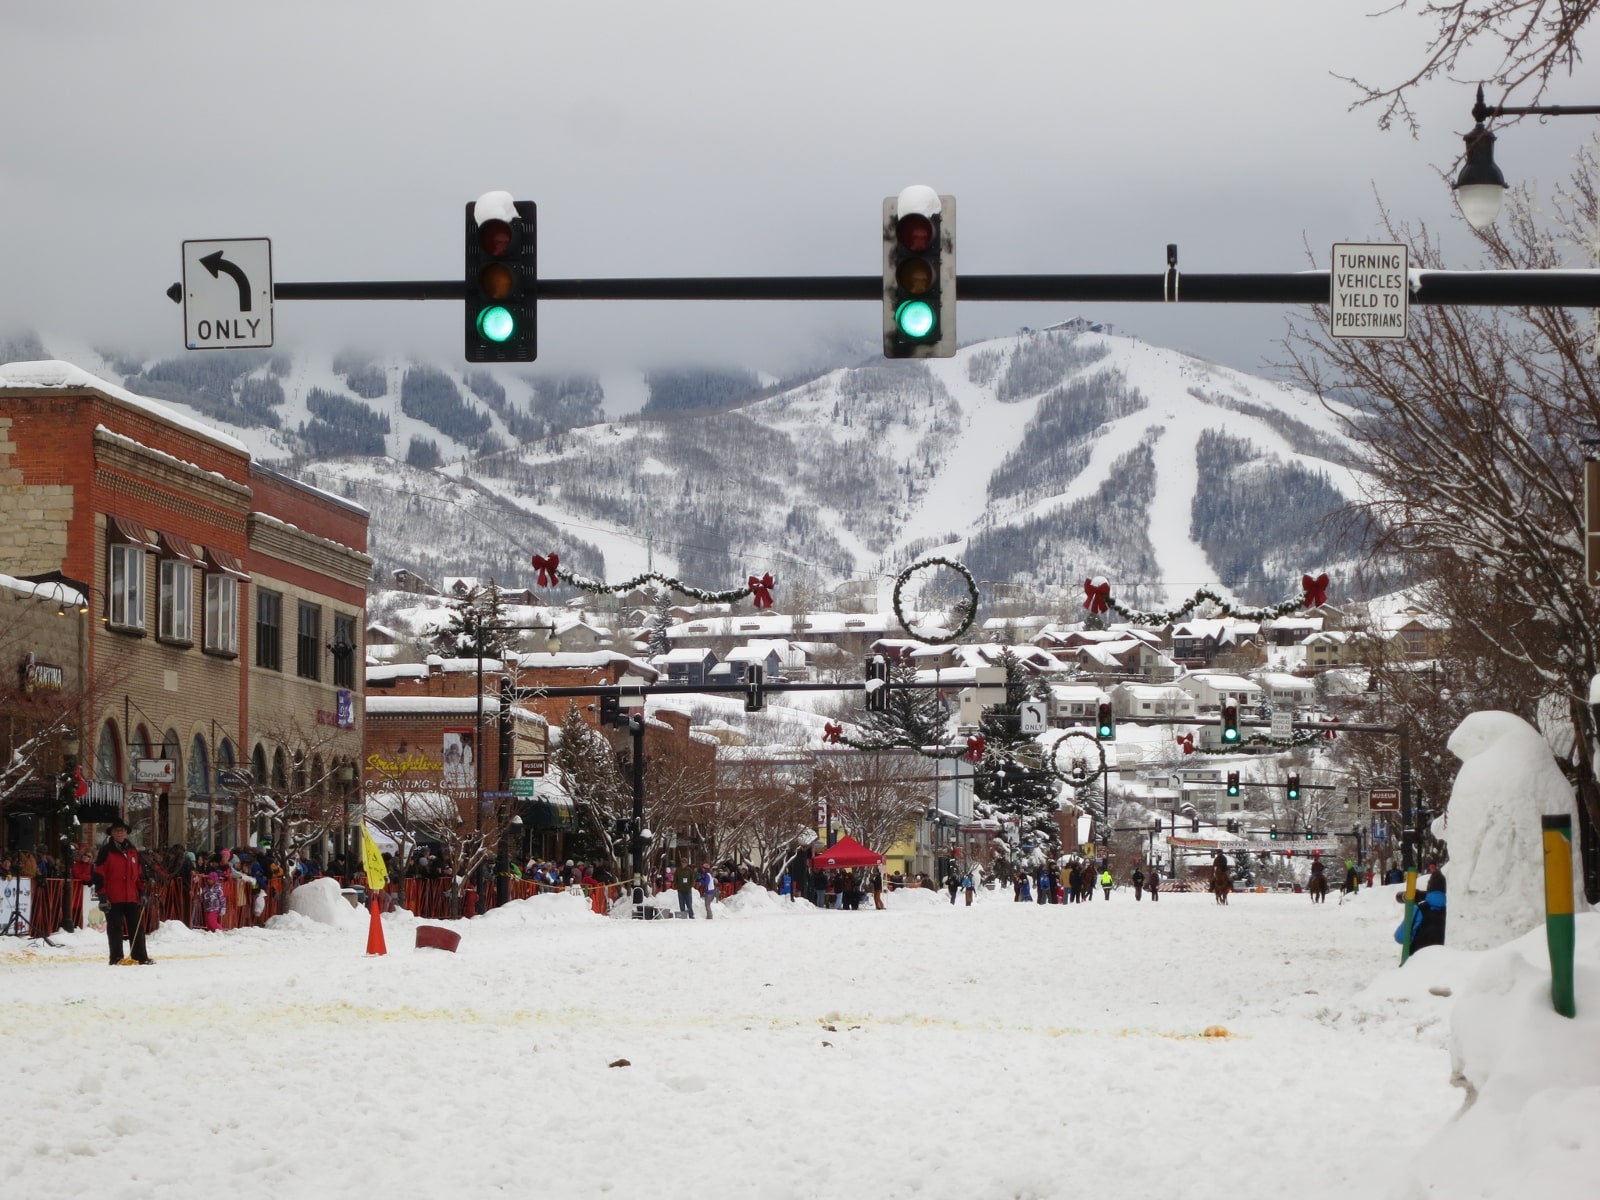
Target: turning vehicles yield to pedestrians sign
(227,294)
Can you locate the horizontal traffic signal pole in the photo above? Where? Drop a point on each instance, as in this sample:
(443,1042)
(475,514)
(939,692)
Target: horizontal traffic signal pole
(1530,289)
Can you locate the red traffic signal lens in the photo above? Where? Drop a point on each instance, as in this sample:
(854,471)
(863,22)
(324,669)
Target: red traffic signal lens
(914,232)
(496,281)
(494,237)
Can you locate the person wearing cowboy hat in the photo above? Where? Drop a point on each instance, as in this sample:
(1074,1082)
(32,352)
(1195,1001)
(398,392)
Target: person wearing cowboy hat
(120,878)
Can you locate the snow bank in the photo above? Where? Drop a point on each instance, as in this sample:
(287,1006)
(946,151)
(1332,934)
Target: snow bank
(1507,780)
(753,900)
(568,907)
(1530,1124)
(322,901)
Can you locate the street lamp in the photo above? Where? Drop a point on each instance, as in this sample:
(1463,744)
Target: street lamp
(1481,187)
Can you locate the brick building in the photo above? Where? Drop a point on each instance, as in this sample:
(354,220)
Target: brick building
(195,563)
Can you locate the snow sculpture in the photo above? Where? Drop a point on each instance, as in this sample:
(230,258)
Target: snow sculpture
(1507,780)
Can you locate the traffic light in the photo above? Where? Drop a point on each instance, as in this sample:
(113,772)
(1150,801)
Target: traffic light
(1230,723)
(1293,786)
(1310,836)
(919,274)
(1273,833)
(1194,823)
(877,668)
(610,710)
(1233,783)
(754,697)
(1106,727)
(501,278)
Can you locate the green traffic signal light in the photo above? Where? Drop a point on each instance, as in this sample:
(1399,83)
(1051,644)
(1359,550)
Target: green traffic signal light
(915,319)
(497,324)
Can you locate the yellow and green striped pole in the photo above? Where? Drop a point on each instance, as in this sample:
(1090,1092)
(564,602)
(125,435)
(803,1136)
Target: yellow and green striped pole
(1411,912)
(1558,922)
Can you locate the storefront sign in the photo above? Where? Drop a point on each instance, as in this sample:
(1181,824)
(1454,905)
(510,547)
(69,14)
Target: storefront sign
(41,677)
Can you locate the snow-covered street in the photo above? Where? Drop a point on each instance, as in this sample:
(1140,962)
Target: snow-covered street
(1003,1050)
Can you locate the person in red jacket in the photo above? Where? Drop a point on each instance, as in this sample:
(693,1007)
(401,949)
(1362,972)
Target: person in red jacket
(119,877)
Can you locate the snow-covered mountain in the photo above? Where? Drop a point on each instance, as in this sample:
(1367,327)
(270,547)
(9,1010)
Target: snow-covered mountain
(1037,459)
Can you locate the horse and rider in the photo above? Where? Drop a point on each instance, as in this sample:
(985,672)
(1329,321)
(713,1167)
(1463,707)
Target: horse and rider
(1221,878)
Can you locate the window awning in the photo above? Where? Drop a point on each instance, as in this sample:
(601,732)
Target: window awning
(221,560)
(133,533)
(173,546)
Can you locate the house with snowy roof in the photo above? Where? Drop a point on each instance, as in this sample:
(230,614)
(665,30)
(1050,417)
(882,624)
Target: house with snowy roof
(1212,689)
(1332,648)
(685,665)
(1285,691)
(1151,700)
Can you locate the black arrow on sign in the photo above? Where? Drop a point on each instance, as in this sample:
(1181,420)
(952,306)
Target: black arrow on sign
(214,262)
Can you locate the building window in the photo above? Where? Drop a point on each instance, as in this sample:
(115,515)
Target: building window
(175,622)
(222,613)
(344,650)
(269,630)
(308,647)
(127,587)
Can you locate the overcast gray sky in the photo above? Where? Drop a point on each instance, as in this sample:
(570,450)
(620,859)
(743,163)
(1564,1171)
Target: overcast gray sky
(704,138)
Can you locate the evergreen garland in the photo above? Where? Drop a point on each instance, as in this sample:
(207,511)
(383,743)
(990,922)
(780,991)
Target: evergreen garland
(551,572)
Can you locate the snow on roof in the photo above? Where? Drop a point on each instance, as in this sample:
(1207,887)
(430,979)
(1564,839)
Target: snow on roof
(1076,691)
(432,705)
(397,671)
(1284,682)
(684,654)
(1223,681)
(53,373)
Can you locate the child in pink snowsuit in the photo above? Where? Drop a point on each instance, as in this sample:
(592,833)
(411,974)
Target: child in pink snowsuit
(212,901)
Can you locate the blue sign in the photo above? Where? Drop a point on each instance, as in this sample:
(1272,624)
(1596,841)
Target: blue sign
(346,709)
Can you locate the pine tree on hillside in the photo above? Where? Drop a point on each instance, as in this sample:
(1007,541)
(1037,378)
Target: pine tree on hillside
(1010,780)
(660,619)
(916,717)
(477,617)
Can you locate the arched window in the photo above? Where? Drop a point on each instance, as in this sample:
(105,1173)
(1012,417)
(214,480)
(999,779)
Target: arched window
(258,765)
(225,756)
(280,771)
(198,780)
(140,747)
(108,753)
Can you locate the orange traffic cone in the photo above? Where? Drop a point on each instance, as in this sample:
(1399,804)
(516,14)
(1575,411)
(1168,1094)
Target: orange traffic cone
(375,933)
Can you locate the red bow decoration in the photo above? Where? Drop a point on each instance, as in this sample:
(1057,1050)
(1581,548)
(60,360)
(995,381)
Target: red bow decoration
(1316,590)
(1097,595)
(547,569)
(80,785)
(761,591)
(1330,732)
(975,745)
(1187,742)
(831,732)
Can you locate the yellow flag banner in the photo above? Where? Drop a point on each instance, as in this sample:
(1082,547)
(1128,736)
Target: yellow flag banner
(372,862)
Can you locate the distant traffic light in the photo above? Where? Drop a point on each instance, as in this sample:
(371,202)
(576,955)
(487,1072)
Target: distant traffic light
(1106,726)
(755,698)
(610,710)
(1292,786)
(1310,836)
(1230,723)
(877,669)
(502,279)
(1233,783)
(1273,833)
(919,274)
(1194,823)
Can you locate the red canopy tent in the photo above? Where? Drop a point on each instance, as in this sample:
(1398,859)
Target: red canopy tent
(846,852)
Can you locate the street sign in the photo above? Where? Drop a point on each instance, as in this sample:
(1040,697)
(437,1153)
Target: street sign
(498,795)
(1369,291)
(530,768)
(1031,715)
(1383,799)
(524,789)
(1282,724)
(227,294)
(1591,522)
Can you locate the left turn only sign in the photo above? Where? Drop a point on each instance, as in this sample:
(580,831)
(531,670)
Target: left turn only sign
(227,293)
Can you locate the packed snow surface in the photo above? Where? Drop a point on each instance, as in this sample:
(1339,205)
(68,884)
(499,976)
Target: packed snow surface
(1001,1050)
